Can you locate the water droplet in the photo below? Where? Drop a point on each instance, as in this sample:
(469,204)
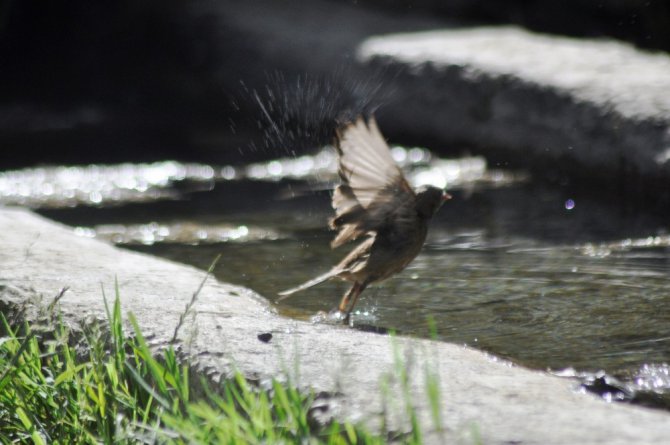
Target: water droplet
(275,168)
(569,204)
(399,154)
(416,155)
(95,197)
(228,172)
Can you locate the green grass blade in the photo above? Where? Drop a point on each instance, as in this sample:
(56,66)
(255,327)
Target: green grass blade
(140,381)
(157,371)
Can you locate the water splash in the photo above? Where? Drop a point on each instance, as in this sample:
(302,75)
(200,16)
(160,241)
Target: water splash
(649,385)
(653,377)
(304,111)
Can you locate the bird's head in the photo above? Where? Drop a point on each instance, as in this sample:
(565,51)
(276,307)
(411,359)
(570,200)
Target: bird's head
(429,199)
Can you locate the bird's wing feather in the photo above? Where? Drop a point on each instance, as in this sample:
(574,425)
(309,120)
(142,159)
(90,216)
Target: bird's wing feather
(373,185)
(366,164)
(313,282)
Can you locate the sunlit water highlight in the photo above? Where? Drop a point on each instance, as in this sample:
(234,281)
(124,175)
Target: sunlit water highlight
(191,233)
(98,184)
(104,185)
(509,266)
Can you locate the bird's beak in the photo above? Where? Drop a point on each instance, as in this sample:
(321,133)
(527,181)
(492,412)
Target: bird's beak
(446,196)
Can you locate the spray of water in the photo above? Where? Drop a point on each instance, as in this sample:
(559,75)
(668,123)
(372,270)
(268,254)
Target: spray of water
(295,113)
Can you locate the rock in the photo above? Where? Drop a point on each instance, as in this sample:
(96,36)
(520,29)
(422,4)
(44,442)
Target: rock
(346,368)
(645,23)
(592,108)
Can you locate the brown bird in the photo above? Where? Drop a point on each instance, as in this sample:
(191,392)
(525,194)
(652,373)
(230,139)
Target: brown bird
(374,200)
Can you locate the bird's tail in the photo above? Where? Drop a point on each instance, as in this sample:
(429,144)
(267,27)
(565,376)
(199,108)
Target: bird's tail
(313,282)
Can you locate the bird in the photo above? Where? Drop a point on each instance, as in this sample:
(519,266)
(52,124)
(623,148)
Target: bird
(374,201)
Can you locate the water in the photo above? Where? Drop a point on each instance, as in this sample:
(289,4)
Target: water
(547,277)
(585,305)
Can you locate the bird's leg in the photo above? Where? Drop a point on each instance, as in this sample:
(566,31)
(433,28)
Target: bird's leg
(354,300)
(344,303)
(352,295)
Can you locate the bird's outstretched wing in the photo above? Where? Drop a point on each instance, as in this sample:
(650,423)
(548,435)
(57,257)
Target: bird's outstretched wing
(373,187)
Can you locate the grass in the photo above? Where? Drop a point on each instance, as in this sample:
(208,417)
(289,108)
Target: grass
(103,386)
(117,391)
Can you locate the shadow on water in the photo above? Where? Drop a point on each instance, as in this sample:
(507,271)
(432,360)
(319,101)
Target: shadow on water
(528,272)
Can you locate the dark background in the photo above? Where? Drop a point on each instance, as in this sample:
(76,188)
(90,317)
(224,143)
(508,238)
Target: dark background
(139,80)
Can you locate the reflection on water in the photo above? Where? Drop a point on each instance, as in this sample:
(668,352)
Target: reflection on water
(547,278)
(192,233)
(627,245)
(98,185)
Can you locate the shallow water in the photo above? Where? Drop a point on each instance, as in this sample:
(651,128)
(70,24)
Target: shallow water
(586,305)
(547,278)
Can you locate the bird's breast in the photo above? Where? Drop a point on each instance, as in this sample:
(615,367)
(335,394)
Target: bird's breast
(392,252)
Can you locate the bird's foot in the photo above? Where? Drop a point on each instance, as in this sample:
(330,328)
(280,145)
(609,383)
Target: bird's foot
(338,316)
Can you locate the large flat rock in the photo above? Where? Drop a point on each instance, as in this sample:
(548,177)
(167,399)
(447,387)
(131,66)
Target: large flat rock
(596,106)
(504,403)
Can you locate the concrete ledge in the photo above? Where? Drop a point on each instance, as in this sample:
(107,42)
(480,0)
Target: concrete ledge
(505,403)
